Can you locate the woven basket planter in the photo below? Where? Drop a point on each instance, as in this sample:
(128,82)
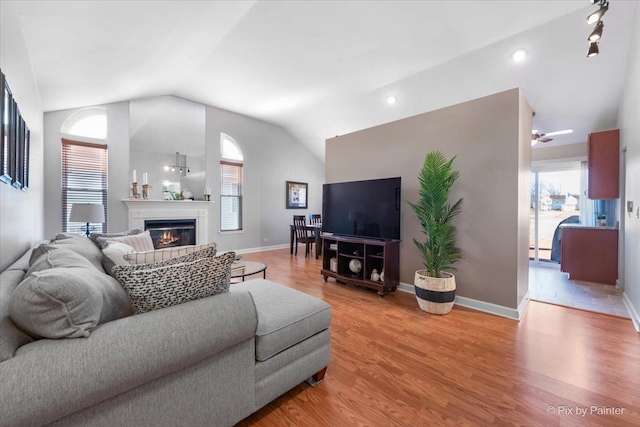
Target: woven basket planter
(435,295)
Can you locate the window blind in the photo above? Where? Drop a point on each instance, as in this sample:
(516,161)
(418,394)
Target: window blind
(84,180)
(230,196)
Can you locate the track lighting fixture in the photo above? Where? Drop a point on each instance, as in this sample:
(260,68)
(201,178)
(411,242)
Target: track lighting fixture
(597,32)
(598,14)
(180,164)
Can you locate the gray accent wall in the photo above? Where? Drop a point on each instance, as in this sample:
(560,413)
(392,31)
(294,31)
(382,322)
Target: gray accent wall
(629,124)
(491,138)
(21,213)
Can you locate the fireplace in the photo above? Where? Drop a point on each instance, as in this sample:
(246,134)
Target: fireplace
(166,233)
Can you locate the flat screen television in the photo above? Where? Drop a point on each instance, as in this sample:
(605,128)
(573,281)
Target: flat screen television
(368,209)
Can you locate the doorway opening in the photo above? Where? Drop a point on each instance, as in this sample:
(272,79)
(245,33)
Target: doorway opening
(556,196)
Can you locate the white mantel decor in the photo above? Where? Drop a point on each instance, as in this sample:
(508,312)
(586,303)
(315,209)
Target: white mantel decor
(141,210)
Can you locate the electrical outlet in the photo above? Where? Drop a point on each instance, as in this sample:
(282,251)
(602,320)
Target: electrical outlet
(266,239)
(630,206)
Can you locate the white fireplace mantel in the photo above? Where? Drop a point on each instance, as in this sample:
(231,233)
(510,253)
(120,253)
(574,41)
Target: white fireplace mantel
(141,210)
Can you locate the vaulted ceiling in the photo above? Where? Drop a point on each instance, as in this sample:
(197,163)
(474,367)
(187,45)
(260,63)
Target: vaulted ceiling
(324,68)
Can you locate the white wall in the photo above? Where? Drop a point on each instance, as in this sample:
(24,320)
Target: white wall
(493,147)
(21,213)
(118,171)
(566,152)
(271,157)
(629,124)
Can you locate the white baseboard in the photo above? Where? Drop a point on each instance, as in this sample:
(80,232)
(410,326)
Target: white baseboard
(260,249)
(485,307)
(635,318)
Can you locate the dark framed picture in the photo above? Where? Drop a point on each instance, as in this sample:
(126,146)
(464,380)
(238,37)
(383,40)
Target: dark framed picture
(18,168)
(7,150)
(297,195)
(25,160)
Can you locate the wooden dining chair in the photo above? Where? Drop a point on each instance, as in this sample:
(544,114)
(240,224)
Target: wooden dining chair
(315,219)
(302,236)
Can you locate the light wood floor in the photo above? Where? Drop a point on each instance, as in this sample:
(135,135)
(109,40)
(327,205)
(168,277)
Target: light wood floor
(394,365)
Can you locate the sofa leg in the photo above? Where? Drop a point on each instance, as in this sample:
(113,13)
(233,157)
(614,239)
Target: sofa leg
(317,378)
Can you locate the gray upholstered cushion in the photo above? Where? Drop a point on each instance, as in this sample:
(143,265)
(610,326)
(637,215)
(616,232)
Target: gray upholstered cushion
(66,302)
(285,316)
(149,257)
(95,237)
(49,379)
(139,242)
(113,254)
(156,287)
(58,256)
(11,338)
(76,243)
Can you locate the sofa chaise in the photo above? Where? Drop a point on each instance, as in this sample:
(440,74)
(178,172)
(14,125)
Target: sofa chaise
(208,362)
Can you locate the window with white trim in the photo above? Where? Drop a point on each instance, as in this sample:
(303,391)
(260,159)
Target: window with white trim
(231,168)
(84,180)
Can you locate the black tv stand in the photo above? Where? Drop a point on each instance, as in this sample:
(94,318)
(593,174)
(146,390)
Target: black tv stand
(382,255)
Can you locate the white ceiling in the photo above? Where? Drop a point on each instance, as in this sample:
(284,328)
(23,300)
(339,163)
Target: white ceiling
(323,68)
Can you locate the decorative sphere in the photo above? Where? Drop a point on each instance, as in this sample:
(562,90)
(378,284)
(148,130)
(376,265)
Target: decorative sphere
(355,266)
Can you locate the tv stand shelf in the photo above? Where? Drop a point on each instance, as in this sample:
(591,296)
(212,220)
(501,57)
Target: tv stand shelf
(382,255)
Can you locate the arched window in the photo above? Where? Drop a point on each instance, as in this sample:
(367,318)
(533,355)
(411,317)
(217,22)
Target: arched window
(229,148)
(88,122)
(230,184)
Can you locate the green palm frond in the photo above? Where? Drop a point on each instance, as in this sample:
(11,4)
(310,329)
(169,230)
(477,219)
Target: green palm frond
(436,214)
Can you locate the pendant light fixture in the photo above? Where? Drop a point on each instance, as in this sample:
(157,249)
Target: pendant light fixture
(593,49)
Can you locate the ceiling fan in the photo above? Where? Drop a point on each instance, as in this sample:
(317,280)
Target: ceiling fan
(543,137)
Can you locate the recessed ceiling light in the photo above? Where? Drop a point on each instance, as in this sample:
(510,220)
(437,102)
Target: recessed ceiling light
(391,100)
(519,55)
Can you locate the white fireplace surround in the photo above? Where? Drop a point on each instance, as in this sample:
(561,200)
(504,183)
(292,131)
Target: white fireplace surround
(141,210)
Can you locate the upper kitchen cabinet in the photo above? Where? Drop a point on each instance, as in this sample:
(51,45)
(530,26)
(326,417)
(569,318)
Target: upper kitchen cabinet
(604,165)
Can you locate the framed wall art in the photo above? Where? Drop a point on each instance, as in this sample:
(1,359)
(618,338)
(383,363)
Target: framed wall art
(297,195)
(15,140)
(7,150)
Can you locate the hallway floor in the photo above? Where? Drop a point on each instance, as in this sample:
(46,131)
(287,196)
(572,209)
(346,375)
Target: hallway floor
(548,284)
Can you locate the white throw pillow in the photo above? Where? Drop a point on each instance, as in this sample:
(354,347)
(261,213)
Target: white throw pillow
(165,254)
(139,242)
(113,254)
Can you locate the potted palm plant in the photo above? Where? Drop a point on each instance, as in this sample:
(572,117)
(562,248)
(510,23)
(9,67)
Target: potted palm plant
(435,287)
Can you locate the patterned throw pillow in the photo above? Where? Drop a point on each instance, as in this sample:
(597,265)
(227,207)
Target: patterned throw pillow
(139,242)
(154,287)
(96,237)
(165,254)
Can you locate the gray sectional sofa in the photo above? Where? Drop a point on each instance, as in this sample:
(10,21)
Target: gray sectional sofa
(208,362)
